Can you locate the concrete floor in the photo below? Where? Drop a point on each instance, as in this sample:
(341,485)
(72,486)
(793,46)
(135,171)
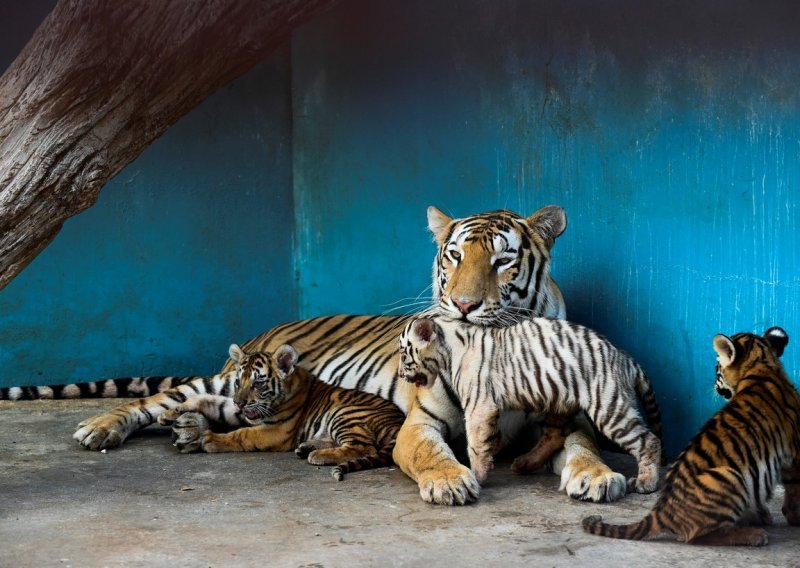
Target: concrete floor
(146,505)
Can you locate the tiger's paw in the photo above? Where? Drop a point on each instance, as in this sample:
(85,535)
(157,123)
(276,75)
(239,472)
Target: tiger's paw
(100,432)
(454,485)
(305,448)
(595,482)
(187,432)
(168,417)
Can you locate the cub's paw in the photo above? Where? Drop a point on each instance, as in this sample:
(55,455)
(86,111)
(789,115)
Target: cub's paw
(596,482)
(453,484)
(304,449)
(169,417)
(101,432)
(187,432)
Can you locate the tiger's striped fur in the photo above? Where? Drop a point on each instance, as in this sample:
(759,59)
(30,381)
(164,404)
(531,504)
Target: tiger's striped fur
(726,475)
(361,352)
(280,407)
(539,365)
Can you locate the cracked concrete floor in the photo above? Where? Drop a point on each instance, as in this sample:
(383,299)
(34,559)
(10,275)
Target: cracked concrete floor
(146,505)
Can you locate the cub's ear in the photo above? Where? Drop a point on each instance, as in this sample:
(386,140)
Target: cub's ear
(424,330)
(777,338)
(236,354)
(286,358)
(437,224)
(726,350)
(549,222)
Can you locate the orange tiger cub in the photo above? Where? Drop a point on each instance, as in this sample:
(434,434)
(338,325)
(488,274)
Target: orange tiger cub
(724,478)
(283,407)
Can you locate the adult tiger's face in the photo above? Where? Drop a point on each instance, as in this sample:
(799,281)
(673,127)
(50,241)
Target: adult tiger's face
(262,383)
(493,266)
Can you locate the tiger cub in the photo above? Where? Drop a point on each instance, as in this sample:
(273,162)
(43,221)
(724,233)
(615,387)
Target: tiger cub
(283,407)
(538,365)
(724,478)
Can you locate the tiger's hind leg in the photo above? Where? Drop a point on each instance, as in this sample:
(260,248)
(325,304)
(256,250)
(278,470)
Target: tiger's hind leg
(757,517)
(557,427)
(790,478)
(110,429)
(627,429)
(734,536)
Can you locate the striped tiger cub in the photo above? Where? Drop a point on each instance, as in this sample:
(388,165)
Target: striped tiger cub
(726,475)
(284,407)
(539,365)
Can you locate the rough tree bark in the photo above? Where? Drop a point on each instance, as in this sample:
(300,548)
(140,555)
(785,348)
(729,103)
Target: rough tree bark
(99,81)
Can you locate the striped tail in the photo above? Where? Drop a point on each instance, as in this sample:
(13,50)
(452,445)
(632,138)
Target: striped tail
(131,387)
(651,411)
(383,459)
(649,526)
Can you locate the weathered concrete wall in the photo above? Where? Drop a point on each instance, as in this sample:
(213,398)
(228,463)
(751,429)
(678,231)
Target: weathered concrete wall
(187,250)
(668,131)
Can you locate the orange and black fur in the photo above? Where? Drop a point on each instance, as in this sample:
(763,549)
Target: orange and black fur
(723,480)
(283,407)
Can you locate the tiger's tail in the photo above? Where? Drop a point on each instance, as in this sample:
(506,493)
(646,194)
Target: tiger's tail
(130,387)
(383,459)
(644,389)
(648,526)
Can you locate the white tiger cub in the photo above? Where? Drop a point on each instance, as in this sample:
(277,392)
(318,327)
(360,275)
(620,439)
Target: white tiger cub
(539,365)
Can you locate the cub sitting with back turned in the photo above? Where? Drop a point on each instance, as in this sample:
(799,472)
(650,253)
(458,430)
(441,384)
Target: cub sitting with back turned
(283,407)
(540,365)
(726,475)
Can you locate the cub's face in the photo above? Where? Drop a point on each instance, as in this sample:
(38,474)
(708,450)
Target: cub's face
(494,267)
(261,381)
(420,362)
(744,354)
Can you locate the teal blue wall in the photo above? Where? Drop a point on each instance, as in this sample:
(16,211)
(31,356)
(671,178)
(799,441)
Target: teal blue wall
(188,249)
(670,132)
(670,135)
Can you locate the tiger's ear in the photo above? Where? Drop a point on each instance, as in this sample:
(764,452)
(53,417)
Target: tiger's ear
(549,222)
(424,331)
(286,358)
(437,224)
(236,354)
(777,338)
(726,350)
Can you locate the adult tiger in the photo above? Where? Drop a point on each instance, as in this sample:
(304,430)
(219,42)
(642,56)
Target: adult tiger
(490,269)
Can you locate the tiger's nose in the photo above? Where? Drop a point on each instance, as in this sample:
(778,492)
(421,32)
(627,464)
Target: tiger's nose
(466,305)
(240,405)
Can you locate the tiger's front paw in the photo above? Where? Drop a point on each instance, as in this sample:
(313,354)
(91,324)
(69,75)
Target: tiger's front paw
(188,432)
(100,432)
(595,482)
(455,484)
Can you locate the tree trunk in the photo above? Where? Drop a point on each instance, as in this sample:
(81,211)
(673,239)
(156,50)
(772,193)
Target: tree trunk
(98,82)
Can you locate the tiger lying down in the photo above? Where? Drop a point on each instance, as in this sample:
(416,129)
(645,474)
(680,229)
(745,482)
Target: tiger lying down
(540,365)
(278,407)
(724,478)
(489,269)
